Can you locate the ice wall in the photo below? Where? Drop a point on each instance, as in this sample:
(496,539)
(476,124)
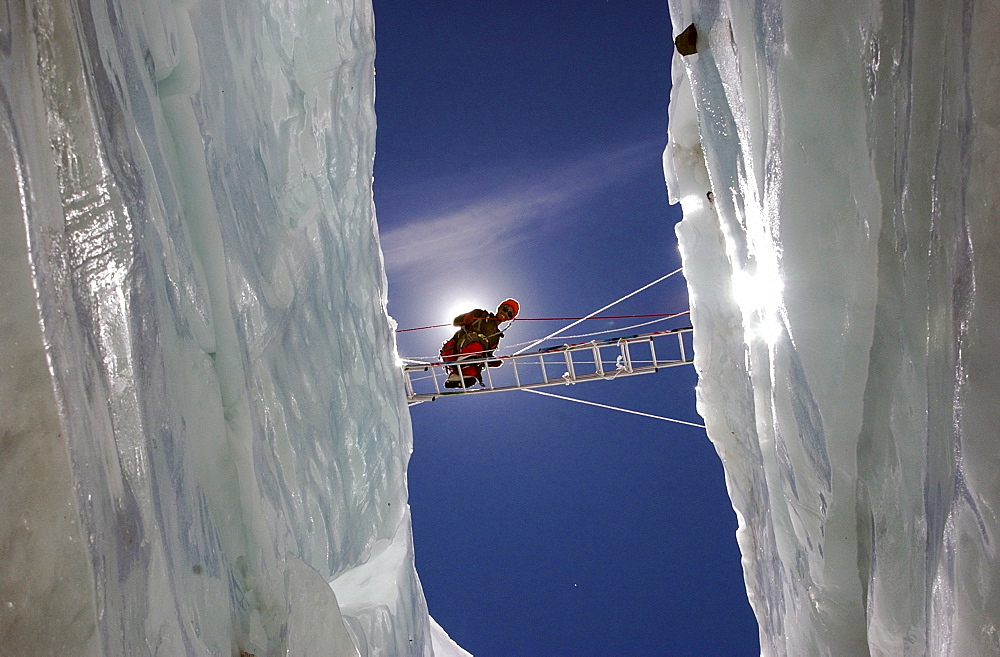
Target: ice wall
(843,278)
(202,421)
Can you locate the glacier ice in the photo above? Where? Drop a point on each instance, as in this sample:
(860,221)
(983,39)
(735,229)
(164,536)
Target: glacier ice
(836,164)
(203,435)
(202,417)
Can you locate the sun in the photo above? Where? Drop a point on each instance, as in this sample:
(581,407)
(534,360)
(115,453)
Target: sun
(457,299)
(459,306)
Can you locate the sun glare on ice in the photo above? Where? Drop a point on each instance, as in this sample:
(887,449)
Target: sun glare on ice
(759,296)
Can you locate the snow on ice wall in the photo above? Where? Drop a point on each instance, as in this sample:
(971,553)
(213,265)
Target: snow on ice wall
(202,418)
(845,289)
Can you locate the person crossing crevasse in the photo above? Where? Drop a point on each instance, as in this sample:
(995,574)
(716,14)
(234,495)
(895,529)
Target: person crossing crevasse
(476,339)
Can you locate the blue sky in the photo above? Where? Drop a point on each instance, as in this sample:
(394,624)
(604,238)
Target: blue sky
(518,154)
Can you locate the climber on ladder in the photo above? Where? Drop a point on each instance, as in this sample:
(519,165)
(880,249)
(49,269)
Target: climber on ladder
(477,338)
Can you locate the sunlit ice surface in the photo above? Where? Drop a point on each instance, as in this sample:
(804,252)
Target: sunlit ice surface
(835,164)
(759,298)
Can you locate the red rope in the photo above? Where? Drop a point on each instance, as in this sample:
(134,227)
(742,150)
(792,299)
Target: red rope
(421,328)
(559,319)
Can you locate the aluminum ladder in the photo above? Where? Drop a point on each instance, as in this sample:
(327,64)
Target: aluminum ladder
(602,360)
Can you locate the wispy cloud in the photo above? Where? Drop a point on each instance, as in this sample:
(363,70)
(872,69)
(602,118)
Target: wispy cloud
(498,219)
(459,235)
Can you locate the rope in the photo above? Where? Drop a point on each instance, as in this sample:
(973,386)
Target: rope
(615,408)
(420,360)
(549,319)
(613,303)
(566,319)
(621,329)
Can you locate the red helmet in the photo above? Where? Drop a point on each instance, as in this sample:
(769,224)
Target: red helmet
(512,304)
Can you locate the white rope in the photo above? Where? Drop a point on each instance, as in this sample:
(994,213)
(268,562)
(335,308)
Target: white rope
(614,408)
(621,329)
(613,303)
